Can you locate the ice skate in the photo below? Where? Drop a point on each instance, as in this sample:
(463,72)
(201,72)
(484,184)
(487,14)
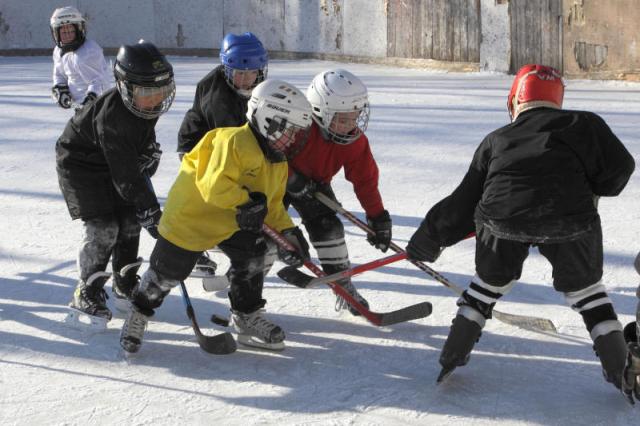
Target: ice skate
(88,308)
(457,349)
(255,330)
(123,284)
(133,331)
(343,304)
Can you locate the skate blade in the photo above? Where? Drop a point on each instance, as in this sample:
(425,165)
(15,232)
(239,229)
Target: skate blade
(444,374)
(83,321)
(254,342)
(215,283)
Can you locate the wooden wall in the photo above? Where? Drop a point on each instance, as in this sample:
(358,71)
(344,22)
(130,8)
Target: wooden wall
(445,30)
(536,33)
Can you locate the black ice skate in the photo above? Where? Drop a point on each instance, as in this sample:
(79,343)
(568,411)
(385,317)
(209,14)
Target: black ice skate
(612,351)
(133,330)
(343,304)
(123,284)
(255,330)
(462,337)
(88,308)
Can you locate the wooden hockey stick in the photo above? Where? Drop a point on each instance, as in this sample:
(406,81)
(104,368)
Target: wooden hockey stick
(523,321)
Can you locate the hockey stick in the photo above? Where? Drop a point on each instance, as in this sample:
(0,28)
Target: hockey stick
(300,279)
(419,310)
(523,321)
(220,344)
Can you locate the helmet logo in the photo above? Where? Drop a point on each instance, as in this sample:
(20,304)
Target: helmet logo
(278,108)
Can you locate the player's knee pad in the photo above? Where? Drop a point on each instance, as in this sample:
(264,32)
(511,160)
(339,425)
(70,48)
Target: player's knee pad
(152,289)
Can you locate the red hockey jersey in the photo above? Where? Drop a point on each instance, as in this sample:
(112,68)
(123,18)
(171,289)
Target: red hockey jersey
(321,160)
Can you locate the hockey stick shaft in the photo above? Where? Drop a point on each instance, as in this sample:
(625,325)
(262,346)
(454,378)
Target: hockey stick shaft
(412,312)
(220,344)
(347,273)
(524,321)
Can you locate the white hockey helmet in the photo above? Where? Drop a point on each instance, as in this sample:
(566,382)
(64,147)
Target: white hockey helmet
(334,91)
(64,16)
(281,113)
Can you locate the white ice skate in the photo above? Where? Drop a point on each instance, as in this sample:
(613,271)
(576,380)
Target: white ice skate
(256,331)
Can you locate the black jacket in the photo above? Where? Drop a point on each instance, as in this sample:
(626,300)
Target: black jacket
(99,155)
(534,180)
(215,105)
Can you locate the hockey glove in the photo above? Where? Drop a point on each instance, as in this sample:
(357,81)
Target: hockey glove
(89,98)
(300,187)
(149,219)
(61,94)
(294,258)
(251,214)
(149,160)
(381,225)
(422,247)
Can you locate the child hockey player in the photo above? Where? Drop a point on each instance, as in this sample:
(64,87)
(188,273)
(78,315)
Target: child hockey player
(80,72)
(105,157)
(221,101)
(340,116)
(231,183)
(534,183)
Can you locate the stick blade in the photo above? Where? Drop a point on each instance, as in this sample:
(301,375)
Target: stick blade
(220,344)
(527,322)
(410,313)
(295,277)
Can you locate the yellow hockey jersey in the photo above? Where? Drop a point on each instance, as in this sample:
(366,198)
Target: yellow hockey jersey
(214,179)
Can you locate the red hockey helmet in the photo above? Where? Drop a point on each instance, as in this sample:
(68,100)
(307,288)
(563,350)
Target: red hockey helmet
(535,86)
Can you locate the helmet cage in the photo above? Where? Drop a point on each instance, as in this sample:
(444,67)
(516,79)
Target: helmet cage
(229,72)
(284,137)
(131,94)
(344,139)
(68,16)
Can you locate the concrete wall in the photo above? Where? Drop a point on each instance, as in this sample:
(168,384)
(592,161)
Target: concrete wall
(601,38)
(312,26)
(495,47)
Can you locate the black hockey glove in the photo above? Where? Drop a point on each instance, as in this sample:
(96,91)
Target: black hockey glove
(149,219)
(294,258)
(89,98)
(251,214)
(300,187)
(61,94)
(381,225)
(422,247)
(149,160)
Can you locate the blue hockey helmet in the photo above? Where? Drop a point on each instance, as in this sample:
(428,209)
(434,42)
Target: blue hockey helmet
(244,57)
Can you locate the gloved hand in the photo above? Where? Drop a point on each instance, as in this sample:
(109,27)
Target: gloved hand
(300,187)
(61,94)
(422,247)
(294,258)
(149,219)
(251,214)
(90,97)
(149,160)
(381,225)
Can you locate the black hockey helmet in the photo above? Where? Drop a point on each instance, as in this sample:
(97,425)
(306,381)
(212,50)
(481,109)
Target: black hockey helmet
(144,79)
